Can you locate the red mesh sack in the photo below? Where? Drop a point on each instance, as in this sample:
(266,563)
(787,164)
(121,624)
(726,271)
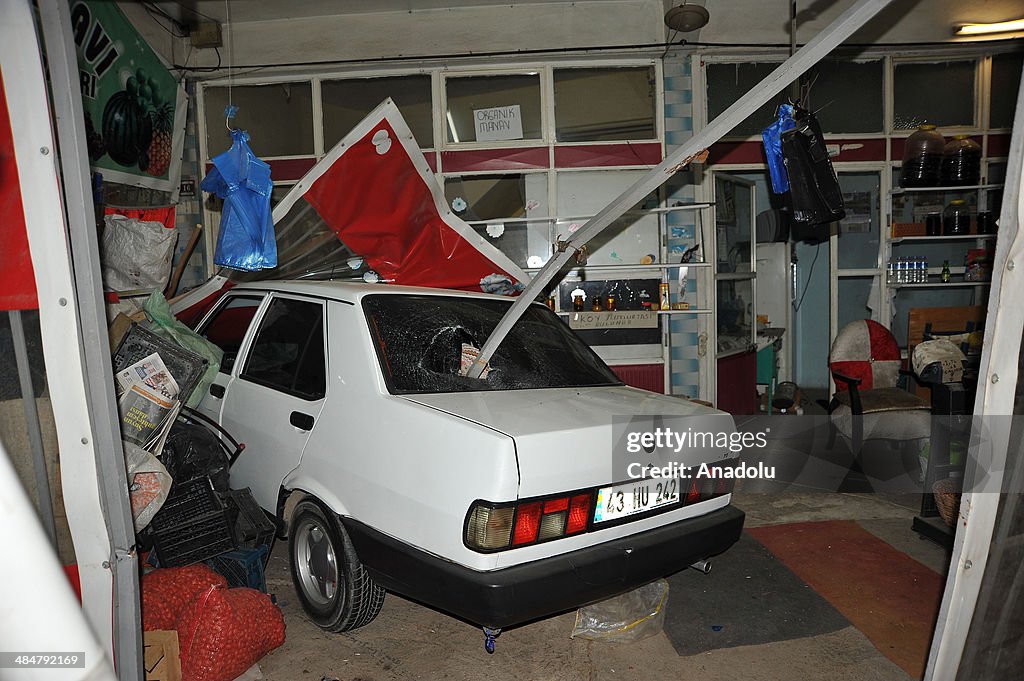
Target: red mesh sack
(223,632)
(166,592)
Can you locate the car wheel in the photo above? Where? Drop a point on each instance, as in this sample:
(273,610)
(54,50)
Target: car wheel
(333,586)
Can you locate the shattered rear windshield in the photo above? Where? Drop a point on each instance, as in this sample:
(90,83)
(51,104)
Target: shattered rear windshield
(425,343)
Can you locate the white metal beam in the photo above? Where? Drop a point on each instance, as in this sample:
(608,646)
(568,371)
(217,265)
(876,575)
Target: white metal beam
(809,55)
(997,384)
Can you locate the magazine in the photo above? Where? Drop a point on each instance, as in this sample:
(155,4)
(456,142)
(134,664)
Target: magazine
(148,403)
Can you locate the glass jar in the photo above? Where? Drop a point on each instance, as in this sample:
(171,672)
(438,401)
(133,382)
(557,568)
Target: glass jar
(922,158)
(961,162)
(957,218)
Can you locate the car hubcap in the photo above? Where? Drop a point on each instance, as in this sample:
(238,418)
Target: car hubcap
(316,563)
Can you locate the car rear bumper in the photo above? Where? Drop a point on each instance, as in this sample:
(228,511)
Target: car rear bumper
(517,594)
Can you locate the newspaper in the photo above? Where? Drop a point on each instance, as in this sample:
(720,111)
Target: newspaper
(148,403)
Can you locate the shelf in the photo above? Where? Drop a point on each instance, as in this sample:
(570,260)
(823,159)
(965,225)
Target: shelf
(939,284)
(951,237)
(652,266)
(968,188)
(692,310)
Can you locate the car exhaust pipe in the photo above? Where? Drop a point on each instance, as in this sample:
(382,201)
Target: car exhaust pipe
(702,566)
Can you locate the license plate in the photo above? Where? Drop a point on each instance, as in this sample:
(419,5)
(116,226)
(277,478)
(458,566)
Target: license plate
(630,498)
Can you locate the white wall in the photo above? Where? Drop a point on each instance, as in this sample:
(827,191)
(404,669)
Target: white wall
(552,24)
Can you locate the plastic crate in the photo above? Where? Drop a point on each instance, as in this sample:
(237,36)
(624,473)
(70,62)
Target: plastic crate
(192,525)
(185,366)
(250,525)
(243,567)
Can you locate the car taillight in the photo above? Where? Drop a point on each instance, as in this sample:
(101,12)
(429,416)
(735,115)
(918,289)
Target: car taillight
(527,523)
(491,527)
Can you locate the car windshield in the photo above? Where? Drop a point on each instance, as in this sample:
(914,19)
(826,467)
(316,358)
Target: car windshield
(425,343)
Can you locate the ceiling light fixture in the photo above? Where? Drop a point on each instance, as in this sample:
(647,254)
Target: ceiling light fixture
(985,29)
(686,17)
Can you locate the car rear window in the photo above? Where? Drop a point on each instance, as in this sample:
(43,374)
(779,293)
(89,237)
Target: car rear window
(420,340)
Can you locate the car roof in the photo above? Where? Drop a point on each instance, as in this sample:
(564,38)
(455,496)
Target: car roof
(352,291)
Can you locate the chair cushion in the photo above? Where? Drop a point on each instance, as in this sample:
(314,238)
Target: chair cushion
(885,425)
(885,399)
(866,350)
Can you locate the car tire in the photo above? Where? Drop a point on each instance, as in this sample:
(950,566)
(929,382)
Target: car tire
(333,586)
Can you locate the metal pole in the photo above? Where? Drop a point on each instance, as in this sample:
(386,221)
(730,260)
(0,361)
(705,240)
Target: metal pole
(35,433)
(62,64)
(997,382)
(809,55)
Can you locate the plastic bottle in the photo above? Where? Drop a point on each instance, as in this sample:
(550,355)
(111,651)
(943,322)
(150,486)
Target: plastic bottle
(922,158)
(961,162)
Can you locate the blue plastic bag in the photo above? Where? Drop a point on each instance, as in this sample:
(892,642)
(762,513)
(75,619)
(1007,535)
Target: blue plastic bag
(246,241)
(772,137)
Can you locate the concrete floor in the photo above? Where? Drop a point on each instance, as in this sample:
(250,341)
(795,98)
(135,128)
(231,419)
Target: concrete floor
(410,641)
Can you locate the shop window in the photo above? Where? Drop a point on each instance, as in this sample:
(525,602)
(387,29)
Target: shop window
(493,108)
(278,118)
(735,314)
(940,93)
(1006,70)
(839,107)
(729,82)
(500,197)
(633,239)
(605,104)
(859,230)
(346,103)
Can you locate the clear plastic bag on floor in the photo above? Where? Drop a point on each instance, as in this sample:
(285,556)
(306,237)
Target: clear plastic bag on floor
(633,616)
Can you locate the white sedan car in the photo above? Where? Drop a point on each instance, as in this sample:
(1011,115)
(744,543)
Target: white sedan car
(496,499)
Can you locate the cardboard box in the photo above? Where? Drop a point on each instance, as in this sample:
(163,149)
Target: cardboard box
(900,229)
(160,655)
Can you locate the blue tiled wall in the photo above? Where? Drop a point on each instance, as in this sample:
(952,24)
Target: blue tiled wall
(682,226)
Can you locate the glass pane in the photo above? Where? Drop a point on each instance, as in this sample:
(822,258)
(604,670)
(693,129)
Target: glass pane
(346,102)
(604,104)
(497,197)
(940,93)
(729,82)
(858,231)
(278,117)
(1006,70)
(735,314)
(631,239)
(289,336)
(420,341)
(733,224)
(227,327)
(839,107)
(495,105)
(858,299)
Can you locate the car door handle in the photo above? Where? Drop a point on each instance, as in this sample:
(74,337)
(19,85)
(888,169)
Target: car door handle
(301,421)
(217,390)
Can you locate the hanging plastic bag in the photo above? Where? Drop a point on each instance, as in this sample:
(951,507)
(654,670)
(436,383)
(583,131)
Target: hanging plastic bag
(246,241)
(814,187)
(772,138)
(635,615)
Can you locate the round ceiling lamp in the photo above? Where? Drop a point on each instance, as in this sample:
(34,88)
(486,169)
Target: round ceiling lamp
(685,18)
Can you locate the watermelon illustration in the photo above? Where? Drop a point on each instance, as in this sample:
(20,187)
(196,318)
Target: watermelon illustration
(127,129)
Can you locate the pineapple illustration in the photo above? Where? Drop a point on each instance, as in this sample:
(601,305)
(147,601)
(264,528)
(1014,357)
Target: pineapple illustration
(159,151)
